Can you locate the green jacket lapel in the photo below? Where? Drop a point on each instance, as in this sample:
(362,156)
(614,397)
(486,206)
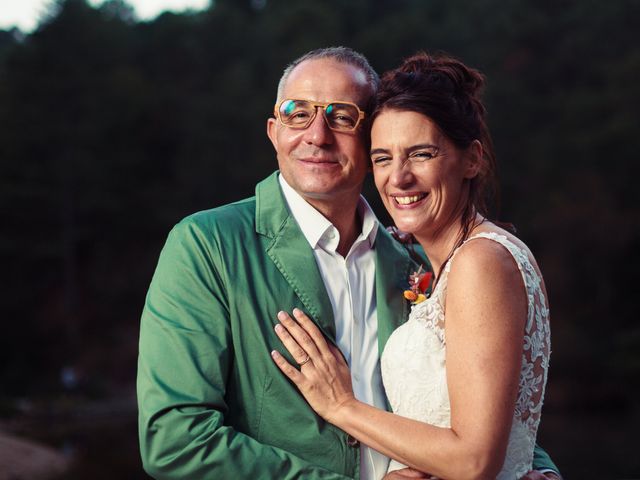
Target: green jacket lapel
(292,254)
(393,267)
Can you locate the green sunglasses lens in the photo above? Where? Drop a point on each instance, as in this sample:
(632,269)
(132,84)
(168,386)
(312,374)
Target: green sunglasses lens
(300,113)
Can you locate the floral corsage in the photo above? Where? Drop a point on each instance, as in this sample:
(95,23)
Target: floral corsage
(418,285)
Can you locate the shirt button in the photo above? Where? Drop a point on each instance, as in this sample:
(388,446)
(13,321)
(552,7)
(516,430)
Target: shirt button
(352,442)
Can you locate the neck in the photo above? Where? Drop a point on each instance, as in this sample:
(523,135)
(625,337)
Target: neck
(439,245)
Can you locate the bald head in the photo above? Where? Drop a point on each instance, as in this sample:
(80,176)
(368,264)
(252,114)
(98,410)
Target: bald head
(341,55)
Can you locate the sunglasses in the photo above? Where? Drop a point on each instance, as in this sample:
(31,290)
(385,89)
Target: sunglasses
(340,116)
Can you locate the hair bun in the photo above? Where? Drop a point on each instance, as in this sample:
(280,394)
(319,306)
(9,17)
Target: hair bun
(442,70)
(421,62)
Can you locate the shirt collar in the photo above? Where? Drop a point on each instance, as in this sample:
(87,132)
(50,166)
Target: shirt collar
(316,228)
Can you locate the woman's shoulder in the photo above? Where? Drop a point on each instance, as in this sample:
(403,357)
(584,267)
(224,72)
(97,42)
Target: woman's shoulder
(484,253)
(486,277)
(489,254)
(492,255)
(485,285)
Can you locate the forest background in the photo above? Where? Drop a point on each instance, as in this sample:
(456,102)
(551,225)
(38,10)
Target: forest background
(112,130)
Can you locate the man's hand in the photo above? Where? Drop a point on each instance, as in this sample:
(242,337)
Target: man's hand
(405,473)
(535,475)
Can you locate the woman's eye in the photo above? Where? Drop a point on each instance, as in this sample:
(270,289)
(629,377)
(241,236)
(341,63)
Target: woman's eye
(422,156)
(380,160)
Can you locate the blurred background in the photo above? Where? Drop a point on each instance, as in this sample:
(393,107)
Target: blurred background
(112,129)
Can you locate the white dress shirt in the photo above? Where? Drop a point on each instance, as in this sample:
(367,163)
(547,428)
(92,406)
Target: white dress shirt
(350,283)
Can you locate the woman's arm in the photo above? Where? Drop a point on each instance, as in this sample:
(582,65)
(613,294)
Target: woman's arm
(485,314)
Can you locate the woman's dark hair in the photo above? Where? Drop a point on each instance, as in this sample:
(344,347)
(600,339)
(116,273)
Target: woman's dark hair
(449,93)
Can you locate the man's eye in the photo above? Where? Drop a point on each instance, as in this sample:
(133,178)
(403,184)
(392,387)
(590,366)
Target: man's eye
(340,117)
(344,120)
(299,117)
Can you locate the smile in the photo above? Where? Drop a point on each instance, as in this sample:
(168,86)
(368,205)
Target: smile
(409,199)
(318,161)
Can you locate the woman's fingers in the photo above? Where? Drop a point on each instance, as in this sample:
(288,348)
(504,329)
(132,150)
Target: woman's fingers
(312,330)
(296,339)
(299,354)
(289,370)
(326,382)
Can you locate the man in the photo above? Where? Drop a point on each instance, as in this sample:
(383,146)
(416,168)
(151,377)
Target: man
(212,403)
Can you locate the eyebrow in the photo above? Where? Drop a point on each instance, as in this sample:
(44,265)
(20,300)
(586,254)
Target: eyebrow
(419,146)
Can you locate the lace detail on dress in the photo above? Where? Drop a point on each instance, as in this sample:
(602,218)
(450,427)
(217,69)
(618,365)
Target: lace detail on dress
(414,370)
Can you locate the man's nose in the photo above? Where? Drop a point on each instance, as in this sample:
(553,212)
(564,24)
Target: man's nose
(318,132)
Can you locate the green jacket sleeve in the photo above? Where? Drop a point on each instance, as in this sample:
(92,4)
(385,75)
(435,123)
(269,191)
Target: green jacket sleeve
(183,366)
(542,460)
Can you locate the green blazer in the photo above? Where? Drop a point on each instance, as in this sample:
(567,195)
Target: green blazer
(212,404)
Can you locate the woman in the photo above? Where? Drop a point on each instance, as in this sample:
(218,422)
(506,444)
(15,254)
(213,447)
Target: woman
(465,375)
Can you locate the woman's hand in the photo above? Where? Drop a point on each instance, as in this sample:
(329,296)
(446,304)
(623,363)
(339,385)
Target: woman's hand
(324,378)
(405,473)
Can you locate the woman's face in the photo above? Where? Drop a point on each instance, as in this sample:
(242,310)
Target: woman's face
(419,172)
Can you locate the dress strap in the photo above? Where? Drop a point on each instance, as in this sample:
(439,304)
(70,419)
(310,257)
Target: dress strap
(520,256)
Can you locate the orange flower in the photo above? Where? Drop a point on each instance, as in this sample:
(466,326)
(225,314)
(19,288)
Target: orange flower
(410,295)
(418,284)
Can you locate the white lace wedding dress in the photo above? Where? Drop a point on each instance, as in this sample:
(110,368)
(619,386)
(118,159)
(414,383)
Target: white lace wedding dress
(414,370)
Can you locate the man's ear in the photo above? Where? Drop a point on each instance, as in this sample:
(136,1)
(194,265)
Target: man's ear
(272,128)
(475,160)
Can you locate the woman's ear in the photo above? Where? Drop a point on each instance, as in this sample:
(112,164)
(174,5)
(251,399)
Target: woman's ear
(475,160)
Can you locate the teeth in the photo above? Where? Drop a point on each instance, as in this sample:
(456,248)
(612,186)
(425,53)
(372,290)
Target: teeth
(408,200)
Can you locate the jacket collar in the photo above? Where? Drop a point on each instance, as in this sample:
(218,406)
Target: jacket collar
(291,253)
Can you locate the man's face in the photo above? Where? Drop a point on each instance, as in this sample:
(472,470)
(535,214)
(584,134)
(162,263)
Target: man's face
(322,165)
